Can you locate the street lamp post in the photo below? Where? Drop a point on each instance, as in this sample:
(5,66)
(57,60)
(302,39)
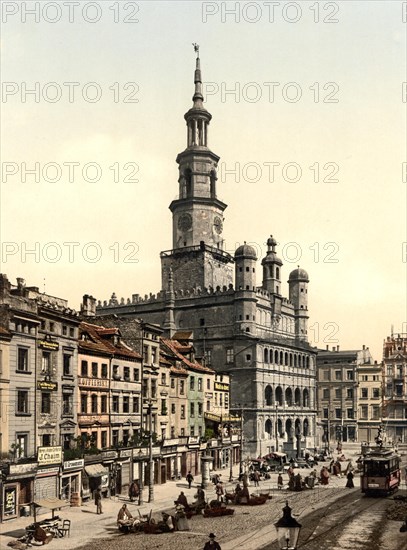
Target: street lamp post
(141,477)
(150,455)
(241,444)
(277,427)
(288,530)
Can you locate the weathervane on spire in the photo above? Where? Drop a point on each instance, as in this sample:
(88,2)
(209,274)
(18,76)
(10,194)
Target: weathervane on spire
(196,49)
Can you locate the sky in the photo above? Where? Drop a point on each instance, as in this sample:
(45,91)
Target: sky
(309,119)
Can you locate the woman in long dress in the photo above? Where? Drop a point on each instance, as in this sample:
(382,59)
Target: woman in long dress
(350,483)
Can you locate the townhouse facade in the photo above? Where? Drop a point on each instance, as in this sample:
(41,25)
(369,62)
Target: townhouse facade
(395,387)
(338,393)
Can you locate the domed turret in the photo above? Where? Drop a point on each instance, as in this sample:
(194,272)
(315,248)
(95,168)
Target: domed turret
(298,292)
(272,268)
(299,274)
(245,251)
(245,267)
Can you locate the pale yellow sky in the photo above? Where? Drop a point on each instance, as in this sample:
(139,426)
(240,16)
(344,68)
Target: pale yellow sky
(363,214)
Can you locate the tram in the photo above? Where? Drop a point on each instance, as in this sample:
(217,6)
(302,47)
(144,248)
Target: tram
(381,472)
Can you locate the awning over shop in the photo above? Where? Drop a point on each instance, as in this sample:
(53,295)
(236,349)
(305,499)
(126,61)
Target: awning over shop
(96,470)
(51,504)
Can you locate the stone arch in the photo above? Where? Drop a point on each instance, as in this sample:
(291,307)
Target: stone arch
(289,396)
(297,397)
(280,427)
(297,426)
(305,398)
(286,359)
(307,362)
(289,428)
(305,427)
(268,395)
(188,182)
(279,395)
(266,355)
(276,357)
(268,428)
(281,358)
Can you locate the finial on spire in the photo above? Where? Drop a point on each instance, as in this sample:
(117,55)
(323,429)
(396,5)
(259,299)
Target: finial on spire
(196,49)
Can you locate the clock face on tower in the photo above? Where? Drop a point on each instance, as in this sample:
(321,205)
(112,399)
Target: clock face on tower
(217,222)
(185,222)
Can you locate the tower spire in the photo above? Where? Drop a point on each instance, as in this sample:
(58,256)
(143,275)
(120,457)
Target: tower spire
(198,97)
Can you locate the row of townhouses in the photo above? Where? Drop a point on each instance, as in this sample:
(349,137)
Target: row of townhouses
(79,401)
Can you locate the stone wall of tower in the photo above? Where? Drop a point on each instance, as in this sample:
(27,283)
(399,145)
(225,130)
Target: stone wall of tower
(196,269)
(298,291)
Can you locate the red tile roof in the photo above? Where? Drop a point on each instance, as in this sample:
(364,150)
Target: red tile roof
(174,346)
(100,343)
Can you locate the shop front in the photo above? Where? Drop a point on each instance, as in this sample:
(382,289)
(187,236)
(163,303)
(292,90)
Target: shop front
(46,484)
(71,481)
(94,476)
(18,489)
(124,473)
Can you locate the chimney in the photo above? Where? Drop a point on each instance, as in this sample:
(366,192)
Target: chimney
(327,347)
(88,306)
(20,283)
(337,348)
(363,347)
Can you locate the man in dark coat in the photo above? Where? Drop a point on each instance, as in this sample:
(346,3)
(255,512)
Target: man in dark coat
(212,544)
(190,479)
(98,500)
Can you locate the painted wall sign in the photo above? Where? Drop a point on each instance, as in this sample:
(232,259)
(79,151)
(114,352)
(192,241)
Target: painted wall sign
(10,501)
(49,455)
(50,346)
(93,382)
(74,464)
(47,386)
(220,386)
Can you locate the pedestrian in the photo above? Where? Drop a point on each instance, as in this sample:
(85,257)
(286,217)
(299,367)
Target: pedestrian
(182,500)
(212,544)
(98,500)
(256,478)
(190,479)
(324,475)
(280,481)
(134,491)
(350,483)
(219,490)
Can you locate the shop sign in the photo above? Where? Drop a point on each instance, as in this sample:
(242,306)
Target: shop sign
(220,386)
(109,454)
(50,346)
(211,416)
(193,440)
(15,469)
(44,385)
(170,442)
(93,382)
(49,455)
(125,454)
(10,501)
(74,464)
(43,472)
